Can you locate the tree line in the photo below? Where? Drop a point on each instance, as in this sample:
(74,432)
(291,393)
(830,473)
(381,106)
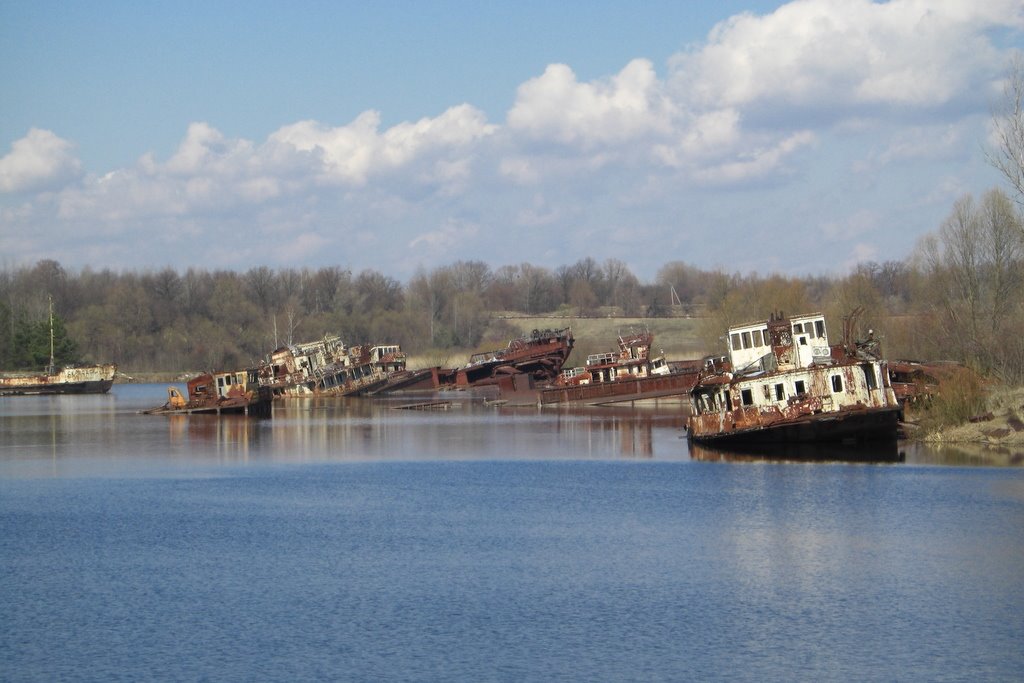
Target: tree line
(957,297)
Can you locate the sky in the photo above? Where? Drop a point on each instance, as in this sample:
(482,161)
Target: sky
(798,138)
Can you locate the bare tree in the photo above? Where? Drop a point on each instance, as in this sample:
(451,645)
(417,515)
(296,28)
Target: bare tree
(974,270)
(1008,128)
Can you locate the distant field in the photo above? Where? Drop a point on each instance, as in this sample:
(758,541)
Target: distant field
(676,337)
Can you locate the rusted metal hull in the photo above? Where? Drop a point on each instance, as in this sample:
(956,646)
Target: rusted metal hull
(878,451)
(259,406)
(540,355)
(425,379)
(94,379)
(852,425)
(620,391)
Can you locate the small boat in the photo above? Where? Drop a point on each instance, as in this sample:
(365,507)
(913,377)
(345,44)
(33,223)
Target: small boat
(219,393)
(783,382)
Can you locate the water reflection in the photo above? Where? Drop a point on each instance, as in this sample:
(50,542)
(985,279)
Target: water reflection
(463,427)
(51,436)
(880,452)
(231,436)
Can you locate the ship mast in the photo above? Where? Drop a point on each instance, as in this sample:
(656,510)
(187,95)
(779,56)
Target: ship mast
(52,369)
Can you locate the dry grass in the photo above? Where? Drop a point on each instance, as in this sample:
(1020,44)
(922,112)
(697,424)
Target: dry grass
(1002,408)
(676,338)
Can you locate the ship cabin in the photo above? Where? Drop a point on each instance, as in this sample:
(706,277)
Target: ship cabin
(779,343)
(222,385)
(388,357)
(307,357)
(236,383)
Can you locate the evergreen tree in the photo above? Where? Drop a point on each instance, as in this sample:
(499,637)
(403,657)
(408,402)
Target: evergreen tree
(31,344)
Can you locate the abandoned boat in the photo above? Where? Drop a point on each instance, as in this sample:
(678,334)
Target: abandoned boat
(540,355)
(219,393)
(526,362)
(84,379)
(73,379)
(330,368)
(783,382)
(629,374)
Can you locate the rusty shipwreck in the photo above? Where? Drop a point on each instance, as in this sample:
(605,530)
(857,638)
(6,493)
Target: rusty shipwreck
(328,367)
(628,374)
(540,355)
(85,379)
(782,382)
(528,361)
(236,392)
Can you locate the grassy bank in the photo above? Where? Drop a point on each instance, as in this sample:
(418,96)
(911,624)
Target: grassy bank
(997,421)
(675,337)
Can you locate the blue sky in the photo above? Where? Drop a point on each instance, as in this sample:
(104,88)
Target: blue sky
(798,137)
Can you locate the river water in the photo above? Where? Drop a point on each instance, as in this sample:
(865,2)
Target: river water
(355,540)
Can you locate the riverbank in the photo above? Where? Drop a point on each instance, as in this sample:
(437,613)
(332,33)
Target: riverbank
(999,426)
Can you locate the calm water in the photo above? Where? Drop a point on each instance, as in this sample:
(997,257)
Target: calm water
(355,541)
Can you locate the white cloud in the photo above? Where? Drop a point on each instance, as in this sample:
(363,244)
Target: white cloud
(519,170)
(39,161)
(837,54)
(757,162)
(555,106)
(352,154)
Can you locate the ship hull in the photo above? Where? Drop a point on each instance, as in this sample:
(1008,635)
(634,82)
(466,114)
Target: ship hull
(620,391)
(853,426)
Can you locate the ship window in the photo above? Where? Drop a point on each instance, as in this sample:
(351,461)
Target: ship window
(837,383)
(220,381)
(747,397)
(735,341)
(869,375)
(746,340)
(803,341)
(819,327)
(798,328)
(799,386)
(780,392)
(757,338)
(767,392)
